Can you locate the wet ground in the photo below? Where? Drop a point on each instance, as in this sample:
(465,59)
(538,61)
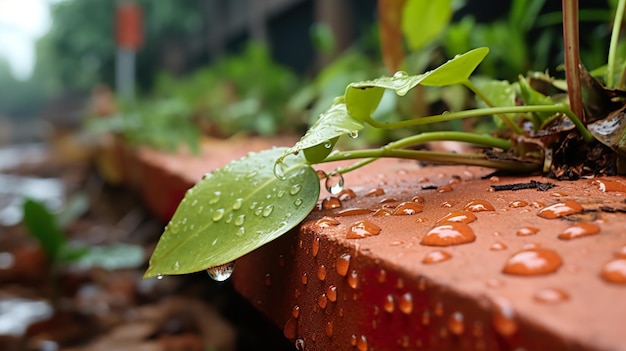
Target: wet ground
(46,305)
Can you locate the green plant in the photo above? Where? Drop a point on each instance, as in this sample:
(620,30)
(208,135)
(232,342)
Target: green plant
(248,203)
(47,228)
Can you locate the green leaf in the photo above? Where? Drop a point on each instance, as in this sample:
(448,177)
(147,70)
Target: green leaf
(113,257)
(499,92)
(456,70)
(233,211)
(333,123)
(423,20)
(532,97)
(43,226)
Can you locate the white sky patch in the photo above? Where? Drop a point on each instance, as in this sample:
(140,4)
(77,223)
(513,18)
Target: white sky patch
(22,22)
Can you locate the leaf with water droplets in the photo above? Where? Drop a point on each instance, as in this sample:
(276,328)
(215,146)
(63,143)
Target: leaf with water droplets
(362,98)
(330,125)
(196,240)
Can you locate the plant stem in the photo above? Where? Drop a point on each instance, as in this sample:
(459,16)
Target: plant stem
(572,57)
(485,140)
(440,157)
(514,127)
(617,24)
(479,112)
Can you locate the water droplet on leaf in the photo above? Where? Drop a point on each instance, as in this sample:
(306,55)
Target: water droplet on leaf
(295,189)
(268,210)
(222,272)
(239,220)
(218,214)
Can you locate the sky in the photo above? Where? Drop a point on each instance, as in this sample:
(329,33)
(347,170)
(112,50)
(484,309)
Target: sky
(21,23)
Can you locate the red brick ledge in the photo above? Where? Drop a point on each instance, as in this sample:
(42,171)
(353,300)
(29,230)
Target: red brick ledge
(390,300)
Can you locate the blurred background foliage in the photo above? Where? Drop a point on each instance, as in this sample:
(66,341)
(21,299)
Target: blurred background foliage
(208,67)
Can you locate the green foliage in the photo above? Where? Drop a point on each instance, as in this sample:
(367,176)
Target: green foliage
(424,20)
(47,229)
(233,211)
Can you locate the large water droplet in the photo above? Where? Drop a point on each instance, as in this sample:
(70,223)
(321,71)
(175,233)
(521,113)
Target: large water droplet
(400,74)
(346,194)
(295,189)
(280,167)
(518,203)
(560,209)
(330,203)
(218,214)
(579,230)
(408,208)
(322,301)
(239,220)
(362,229)
(160,277)
(526,231)
(551,295)
(315,247)
(354,211)
(445,188)
(479,206)
(237,204)
(334,183)
(331,293)
(456,324)
(406,303)
(326,222)
(342,264)
(436,257)
(361,343)
(458,216)
(268,210)
(614,271)
(222,272)
(290,329)
(605,185)
(449,233)
(321,272)
(375,192)
(353,279)
(504,317)
(295,311)
(533,262)
(389,305)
